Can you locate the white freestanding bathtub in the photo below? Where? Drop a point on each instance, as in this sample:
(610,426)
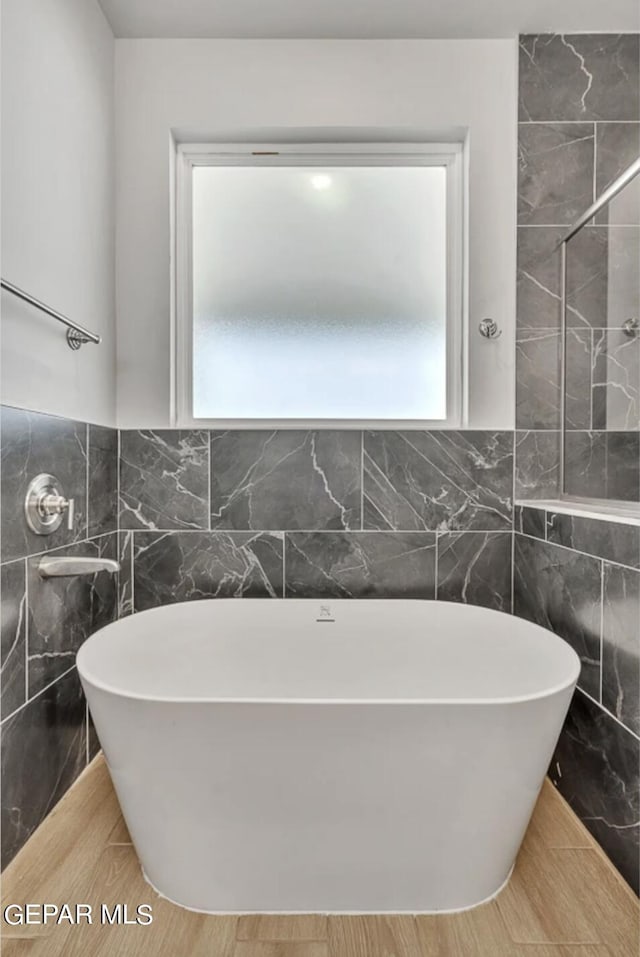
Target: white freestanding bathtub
(341,756)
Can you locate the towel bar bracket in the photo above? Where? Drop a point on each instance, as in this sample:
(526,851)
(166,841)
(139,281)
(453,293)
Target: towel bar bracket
(77,335)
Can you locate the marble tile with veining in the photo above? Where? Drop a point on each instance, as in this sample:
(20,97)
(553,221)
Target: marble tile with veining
(530,521)
(475,568)
(621,645)
(603,465)
(537,466)
(616,380)
(603,286)
(13,619)
(578,391)
(613,541)
(33,443)
(560,590)
(579,77)
(595,767)
(617,146)
(587,277)
(585,464)
(444,480)
(186,566)
(43,751)
(555,182)
(539,283)
(538,379)
(164,479)
(360,564)
(125,575)
(285,479)
(63,612)
(93,741)
(622,466)
(103,480)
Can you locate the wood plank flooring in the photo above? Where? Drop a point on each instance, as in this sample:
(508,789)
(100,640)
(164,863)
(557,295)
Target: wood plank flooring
(564,900)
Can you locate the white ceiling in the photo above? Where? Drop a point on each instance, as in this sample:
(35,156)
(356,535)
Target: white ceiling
(370,19)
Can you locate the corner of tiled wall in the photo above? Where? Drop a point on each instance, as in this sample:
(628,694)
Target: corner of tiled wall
(578,130)
(47,736)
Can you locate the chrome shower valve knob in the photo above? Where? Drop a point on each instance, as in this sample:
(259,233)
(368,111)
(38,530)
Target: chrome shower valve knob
(45,505)
(52,505)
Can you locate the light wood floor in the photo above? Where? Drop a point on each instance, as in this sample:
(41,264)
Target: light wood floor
(564,900)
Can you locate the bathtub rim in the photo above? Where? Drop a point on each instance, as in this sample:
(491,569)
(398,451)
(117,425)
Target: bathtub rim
(547,692)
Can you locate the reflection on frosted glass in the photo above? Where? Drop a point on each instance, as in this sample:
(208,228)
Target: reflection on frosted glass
(602,419)
(319,292)
(624,209)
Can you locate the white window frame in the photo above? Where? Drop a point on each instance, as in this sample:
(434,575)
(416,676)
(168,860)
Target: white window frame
(189,155)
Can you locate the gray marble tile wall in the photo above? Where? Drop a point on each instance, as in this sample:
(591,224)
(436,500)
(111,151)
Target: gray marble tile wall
(580,577)
(308,514)
(402,514)
(193,514)
(46,734)
(579,128)
(314,514)
(579,113)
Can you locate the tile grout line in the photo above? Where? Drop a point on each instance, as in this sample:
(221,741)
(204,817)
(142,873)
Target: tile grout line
(58,548)
(26,629)
(601,627)
(311,531)
(88,440)
(37,694)
(608,713)
(209,526)
(576,122)
(513,522)
(591,363)
(565,226)
(578,551)
(284,564)
(86,724)
(595,162)
(362,481)
(118,530)
(132,566)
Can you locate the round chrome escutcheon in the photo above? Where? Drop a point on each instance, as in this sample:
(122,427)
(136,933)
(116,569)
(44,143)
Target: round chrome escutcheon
(40,520)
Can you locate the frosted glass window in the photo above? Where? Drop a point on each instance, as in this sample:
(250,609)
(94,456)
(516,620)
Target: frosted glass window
(319,292)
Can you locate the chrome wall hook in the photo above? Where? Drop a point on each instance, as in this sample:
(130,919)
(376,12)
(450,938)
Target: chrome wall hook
(489,329)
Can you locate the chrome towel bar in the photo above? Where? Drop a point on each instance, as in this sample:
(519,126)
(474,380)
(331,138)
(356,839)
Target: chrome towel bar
(76,334)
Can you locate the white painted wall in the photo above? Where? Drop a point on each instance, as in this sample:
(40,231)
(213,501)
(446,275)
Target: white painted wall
(58,205)
(228,89)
